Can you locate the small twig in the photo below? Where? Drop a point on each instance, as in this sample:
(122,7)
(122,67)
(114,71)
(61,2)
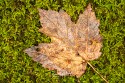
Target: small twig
(97,72)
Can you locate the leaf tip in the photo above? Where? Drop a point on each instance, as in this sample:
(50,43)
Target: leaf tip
(89,7)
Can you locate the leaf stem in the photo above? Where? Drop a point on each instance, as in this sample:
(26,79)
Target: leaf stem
(97,72)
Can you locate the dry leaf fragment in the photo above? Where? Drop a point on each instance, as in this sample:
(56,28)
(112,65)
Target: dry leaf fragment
(72,44)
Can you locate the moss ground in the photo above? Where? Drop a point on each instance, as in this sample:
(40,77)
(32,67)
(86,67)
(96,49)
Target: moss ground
(19,24)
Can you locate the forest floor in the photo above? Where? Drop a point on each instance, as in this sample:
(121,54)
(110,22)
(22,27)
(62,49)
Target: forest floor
(19,24)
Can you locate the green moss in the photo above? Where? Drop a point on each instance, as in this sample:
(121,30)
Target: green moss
(19,24)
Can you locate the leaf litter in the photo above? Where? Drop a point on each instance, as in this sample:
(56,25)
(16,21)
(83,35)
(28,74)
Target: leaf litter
(72,45)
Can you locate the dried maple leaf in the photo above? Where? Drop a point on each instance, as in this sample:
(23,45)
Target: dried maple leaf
(72,44)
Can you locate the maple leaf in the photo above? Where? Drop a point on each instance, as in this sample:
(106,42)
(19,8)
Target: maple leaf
(72,44)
